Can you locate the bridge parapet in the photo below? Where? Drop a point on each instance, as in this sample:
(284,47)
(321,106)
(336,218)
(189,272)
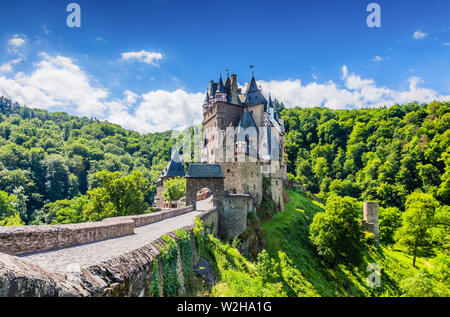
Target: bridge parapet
(31,239)
(130,274)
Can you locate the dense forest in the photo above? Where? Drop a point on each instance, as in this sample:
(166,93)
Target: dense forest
(56,168)
(381,154)
(50,163)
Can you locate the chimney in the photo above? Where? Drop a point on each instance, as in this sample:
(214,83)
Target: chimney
(211,88)
(234,83)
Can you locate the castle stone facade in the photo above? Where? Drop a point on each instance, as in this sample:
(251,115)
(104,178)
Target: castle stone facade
(244,132)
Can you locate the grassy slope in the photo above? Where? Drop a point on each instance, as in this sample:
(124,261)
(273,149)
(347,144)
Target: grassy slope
(289,232)
(300,272)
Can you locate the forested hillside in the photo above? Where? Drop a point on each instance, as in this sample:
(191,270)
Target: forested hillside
(379,155)
(53,157)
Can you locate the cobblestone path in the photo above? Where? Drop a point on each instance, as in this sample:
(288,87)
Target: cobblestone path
(85,255)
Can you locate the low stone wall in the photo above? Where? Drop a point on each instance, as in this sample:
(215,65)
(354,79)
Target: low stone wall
(30,239)
(142,220)
(130,274)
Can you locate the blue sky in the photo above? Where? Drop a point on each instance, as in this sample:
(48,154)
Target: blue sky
(137,63)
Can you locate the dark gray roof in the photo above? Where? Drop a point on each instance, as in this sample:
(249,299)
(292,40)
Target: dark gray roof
(270,101)
(247,121)
(220,87)
(254,95)
(227,83)
(207,97)
(205,171)
(174,168)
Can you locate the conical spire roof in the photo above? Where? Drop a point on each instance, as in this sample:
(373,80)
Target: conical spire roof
(252,87)
(270,101)
(254,95)
(220,86)
(175,167)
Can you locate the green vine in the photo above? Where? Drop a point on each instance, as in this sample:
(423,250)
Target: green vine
(186,254)
(155,283)
(169,256)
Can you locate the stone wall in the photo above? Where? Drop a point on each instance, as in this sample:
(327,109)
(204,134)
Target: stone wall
(130,274)
(215,185)
(244,177)
(233,221)
(30,239)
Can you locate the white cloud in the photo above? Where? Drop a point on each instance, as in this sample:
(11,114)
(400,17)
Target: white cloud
(378,59)
(357,92)
(418,35)
(142,56)
(56,82)
(17,41)
(8,66)
(446,43)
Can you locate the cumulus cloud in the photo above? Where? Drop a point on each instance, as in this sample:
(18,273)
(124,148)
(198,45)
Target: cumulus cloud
(16,44)
(161,110)
(356,93)
(56,82)
(8,66)
(142,57)
(17,41)
(418,35)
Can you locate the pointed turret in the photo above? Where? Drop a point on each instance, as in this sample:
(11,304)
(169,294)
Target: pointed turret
(206,102)
(220,86)
(270,101)
(174,168)
(221,95)
(254,95)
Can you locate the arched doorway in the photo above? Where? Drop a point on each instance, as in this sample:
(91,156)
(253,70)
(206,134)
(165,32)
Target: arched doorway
(201,176)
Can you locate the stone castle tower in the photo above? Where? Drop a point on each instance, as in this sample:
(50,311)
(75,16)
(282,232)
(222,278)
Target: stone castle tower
(370,220)
(250,127)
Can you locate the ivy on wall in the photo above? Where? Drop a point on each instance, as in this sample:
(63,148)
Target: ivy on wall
(186,254)
(169,256)
(155,283)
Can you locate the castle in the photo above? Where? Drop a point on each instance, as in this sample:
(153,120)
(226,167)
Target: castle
(243,132)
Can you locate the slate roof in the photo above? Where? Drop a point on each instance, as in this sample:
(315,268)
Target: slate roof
(270,101)
(247,121)
(174,168)
(205,171)
(254,95)
(220,87)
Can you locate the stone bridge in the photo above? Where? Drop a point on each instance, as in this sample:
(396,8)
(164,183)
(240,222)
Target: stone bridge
(113,257)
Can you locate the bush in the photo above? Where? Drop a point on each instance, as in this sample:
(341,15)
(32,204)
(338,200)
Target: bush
(336,233)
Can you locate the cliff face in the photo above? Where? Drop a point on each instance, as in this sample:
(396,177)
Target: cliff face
(147,271)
